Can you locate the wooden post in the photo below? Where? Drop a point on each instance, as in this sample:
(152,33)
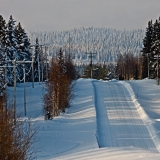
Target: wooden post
(14,63)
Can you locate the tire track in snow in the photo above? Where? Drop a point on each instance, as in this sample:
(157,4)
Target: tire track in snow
(118,121)
(102,122)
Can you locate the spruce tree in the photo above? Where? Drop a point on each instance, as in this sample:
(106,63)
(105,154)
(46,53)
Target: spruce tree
(61,62)
(155,48)
(147,43)
(37,61)
(2,54)
(2,31)
(23,50)
(2,71)
(11,49)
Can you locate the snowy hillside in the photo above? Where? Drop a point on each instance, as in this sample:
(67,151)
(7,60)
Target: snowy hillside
(123,117)
(107,43)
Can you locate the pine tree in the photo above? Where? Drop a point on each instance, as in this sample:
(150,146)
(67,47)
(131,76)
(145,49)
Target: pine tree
(11,49)
(2,71)
(61,62)
(2,55)
(23,51)
(155,48)
(37,61)
(147,54)
(2,31)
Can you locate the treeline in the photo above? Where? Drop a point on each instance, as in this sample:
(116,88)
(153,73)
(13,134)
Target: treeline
(147,64)
(96,71)
(58,89)
(14,45)
(17,55)
(22,61)
(16,136)
(18,60)
(107,43)
(151,50)
(128,67)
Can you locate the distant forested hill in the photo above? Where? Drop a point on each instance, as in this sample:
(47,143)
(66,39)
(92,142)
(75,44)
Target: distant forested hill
(107,43)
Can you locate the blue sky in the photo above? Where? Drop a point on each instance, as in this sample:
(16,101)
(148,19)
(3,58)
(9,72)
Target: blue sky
(49,15)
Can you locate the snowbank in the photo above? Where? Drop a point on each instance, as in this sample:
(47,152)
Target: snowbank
(149,122)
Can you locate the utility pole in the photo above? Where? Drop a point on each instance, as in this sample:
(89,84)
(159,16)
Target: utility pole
(14,73)
(14,63)
(14,70)
(46,63)
(69,45)
(32,72)
(32,64)
(148,63)
(38,69)
(41,64)
(5,70)
(158,69)
(42,67)
(24,74)
(91,56)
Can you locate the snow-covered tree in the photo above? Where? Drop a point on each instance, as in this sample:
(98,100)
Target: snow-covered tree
(2,71)
(2,31)
(16,46)
(11,49)
(155,48)
(61,62)
(151,50)
(23,50)
(2,54)
(107,43)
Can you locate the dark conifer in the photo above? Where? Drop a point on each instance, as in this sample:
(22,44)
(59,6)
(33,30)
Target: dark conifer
(37,61)
(11,49)
(2,31)
(2,55)
(23,51)
(147,43)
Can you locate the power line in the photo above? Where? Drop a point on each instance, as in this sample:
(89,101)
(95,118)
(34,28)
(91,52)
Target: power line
(91,56)
(15,81)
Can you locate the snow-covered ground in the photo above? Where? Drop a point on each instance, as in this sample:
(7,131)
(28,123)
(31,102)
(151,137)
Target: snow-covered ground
(122,117)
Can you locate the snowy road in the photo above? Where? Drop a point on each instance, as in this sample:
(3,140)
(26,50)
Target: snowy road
(118,122)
